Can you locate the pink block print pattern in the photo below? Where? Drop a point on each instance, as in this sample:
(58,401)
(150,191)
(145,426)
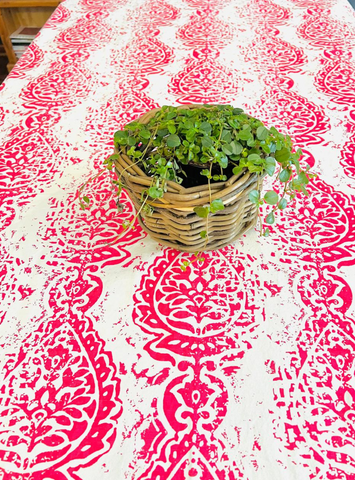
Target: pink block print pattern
(204,80)
(114,362)
(323,31)
(273,53)
(59,402)
(29,60)
(195,317)
(288,111)
(60,15)
(61,88)
(27,163)
(264,12)
(336,79)
(323,227)
(102,240)
(348,158)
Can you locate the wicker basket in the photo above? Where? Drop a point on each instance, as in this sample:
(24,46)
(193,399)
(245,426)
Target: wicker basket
(174,222)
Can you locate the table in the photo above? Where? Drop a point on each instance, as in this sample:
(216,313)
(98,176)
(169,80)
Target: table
(114,362)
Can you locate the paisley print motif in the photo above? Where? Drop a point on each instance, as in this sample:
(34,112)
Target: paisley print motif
(122,359)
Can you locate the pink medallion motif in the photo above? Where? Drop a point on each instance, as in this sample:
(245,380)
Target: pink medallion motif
(263,12)
(208,311)
(204,80)
(76,290)
(60,15)
(59,402)
(348,158)
(204,31)
(208,4)
(62,87)
(28,162)
(313,3)
(94,5)
(195,404)
(322,31)
(286,110)
(29,60)
(84,37)
(192,313)
(117,112)
(158,13)
(324,291)
(272,53)
(337,80)
(320,409)
(94,236)
(323,228)
(146,54)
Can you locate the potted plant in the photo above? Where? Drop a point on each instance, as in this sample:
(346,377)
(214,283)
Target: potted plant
(195,173)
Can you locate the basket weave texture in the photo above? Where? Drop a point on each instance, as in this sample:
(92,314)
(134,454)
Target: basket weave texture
(174,222)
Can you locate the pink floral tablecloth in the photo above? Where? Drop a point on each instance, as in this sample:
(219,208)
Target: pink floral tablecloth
(114,363)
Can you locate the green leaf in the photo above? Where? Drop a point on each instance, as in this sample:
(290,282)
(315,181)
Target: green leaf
(206,127)
(266,232)
(270,219)
(254,168)
(203,234)
(237,169)
(283,155)
(262,133)
(216,205)
(254,157)
(233,123)
(266,148)
(223,161)
(190,135)
(285,175)
(302,177)
(282,203)
(145,134)
(120,137)
(236,147)
(270,166)
(155,192)
(172,128)
(297,165)
(162,132)
(271,197)
(202,211)
(205,172)
(131,141)
(206,142)
(226,136)
(245,134)
(171,115)
(86,200)
(227,149)
(254,196)
(173,141)
(305,191)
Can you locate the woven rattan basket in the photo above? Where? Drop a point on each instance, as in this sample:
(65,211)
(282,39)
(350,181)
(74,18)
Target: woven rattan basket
(174,222)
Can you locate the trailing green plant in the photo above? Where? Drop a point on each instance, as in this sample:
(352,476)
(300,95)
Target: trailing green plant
(222,141)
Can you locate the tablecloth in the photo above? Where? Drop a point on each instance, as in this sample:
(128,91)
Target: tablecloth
(114,362)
